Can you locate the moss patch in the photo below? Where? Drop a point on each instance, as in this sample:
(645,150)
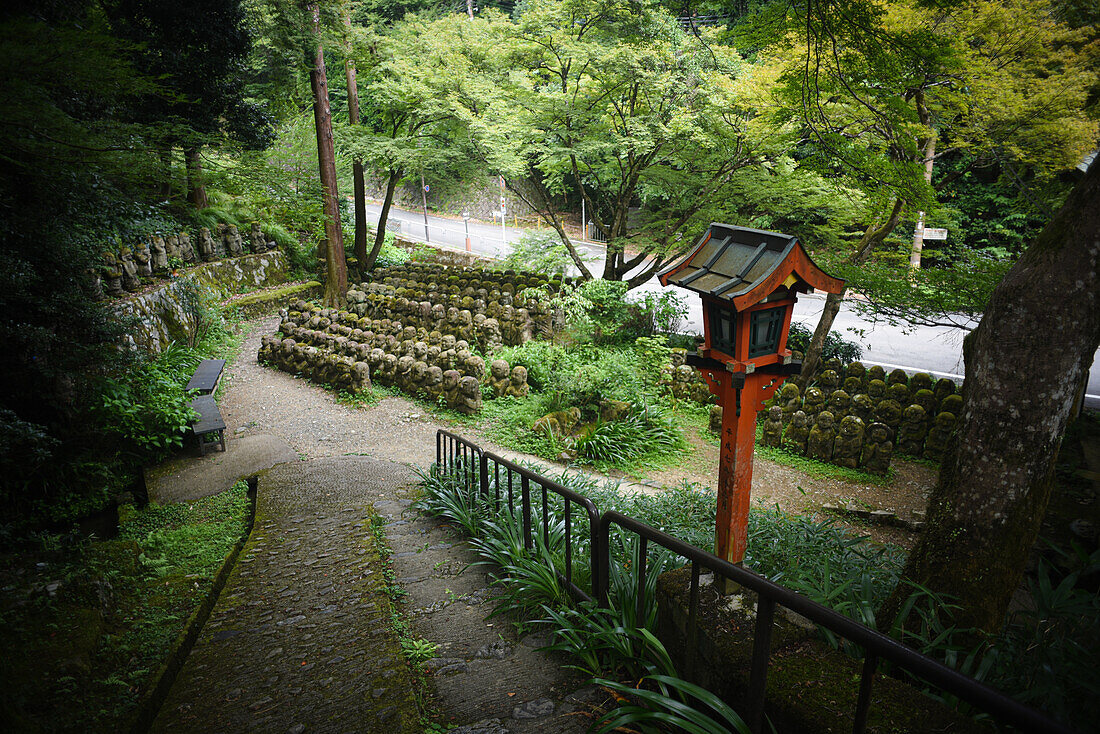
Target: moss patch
(87,627)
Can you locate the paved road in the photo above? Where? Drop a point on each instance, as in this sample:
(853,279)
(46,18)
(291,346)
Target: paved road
(937,350)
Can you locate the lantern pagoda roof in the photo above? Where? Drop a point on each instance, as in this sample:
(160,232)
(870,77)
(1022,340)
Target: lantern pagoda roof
(746,266)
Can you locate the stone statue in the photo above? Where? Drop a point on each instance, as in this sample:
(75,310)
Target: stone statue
(498,377)
(159,255)
(925,399)
(863,408)
(207,251)
(920,381)
(814,402)
(450,387)
(876,372)
(715,419)
(853,385)
(220,241)
(877,450)
(889,412)
(819,444)
(469,395)
(558,424)
(773,427)
(849,442)
(912,431)
(898,377)
(899,393)
(797,432)
(187,250)
(935,444)
(517,387)
(433,384)
(839,404)
(942,389)
(827,382)
(143,258)
(112,274)
(172,246)
(130,280)
(234,243)
(876,390)
(256,239)
(857,370)
(789,399)
(952,404)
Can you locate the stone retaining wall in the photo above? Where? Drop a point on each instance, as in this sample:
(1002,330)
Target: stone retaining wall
(170,313)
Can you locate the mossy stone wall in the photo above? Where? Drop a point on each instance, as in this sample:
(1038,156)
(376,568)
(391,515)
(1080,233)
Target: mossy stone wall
(168,313)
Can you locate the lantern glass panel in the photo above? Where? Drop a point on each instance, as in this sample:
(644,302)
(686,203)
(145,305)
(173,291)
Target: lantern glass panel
(764,329)
(723,328)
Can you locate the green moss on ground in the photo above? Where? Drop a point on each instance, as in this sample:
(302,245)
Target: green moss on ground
(79,655)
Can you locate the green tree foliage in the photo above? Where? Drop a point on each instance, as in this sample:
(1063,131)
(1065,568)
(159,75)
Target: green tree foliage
(79,170)
(408,77)
(614,103)
(197,49)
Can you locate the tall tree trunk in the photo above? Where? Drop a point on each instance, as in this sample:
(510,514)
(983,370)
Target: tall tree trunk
(380,236)
(1024,363)
(196,188)
(872,238)
(360,194)
(336,280)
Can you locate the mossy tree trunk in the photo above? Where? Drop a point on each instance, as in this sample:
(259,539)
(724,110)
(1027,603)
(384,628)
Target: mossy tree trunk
(1024,364)
(360,194)
(395,175)
(336,280)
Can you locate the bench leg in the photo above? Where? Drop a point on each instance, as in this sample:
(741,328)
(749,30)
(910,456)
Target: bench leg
(221,438)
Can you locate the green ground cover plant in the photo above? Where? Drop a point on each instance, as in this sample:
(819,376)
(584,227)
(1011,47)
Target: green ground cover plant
(90,623)
(1043,657)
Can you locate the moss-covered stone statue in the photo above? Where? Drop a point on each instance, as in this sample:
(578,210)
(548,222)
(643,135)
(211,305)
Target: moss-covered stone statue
(819,443)
(773,427)
(877,449)
(517,384)
(848,446)
(913,429)
(935,444)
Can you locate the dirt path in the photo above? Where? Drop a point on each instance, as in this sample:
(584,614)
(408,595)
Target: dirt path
(258,400)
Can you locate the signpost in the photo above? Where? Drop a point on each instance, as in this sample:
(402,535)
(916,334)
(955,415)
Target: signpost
(749,280)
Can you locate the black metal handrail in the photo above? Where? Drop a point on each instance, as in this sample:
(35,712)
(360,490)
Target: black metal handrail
(527,477)
(876,645)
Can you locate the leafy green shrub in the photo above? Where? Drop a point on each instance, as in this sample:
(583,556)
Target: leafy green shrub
(540,251)
(147,408)
(644,431)
(390,254)
(835,346)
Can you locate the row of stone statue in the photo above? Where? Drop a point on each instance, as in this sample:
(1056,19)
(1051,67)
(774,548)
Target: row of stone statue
(121,272)
(318,344)
(484,332)
(467,320)
(447,279)
(521,317)
(848,442)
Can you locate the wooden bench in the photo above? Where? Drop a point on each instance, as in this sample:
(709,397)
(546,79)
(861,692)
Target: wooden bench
(209,421)
(205,381)
(206,377)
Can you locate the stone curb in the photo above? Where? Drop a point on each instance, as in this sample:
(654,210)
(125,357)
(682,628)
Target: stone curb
(150,703)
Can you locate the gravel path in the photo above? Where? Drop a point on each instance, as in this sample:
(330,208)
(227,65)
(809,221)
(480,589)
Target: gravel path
(258,400)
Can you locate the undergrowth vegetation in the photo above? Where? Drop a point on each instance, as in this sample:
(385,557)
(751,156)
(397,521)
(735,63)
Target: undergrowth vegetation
(616,645)
(88,622)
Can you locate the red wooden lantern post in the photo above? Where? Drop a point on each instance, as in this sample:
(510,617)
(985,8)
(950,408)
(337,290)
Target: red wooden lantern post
(749,280)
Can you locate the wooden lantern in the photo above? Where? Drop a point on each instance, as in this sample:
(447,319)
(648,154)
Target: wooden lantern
(749,280)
